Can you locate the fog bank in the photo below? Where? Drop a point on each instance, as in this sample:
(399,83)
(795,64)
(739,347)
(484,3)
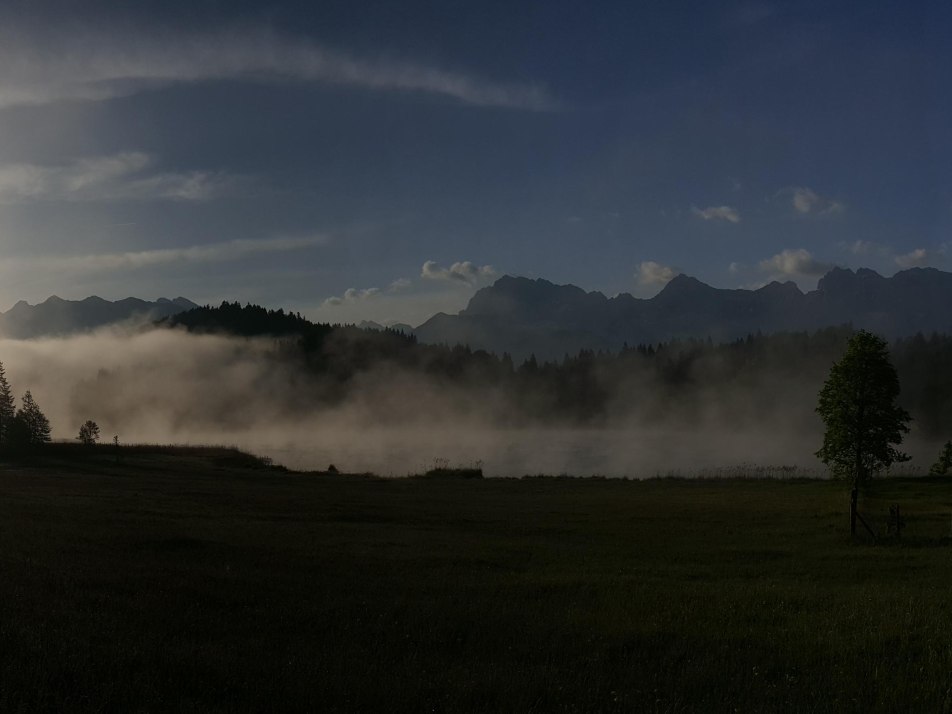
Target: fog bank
(168,386)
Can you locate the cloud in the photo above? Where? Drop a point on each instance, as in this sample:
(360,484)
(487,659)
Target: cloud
(89,66)
(717,213)
(794,264)
(352,295)
(861,247)
(807,201)
(406,300)
(119,177)
(917,258)
(211,253)
(652,273)
(464,272)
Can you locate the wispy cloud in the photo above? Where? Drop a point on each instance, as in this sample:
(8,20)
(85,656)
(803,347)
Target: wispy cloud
(399,285)
(806,201)
(438,289)
(119,177)
(717,213)
(463,272)
(860,247)
(794,264)
(132,260)
(651,273)
(96,66)
(918,258)
(352,295)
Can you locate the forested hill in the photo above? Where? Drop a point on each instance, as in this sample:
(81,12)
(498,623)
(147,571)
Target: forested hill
(743,380)
(248,320)
(245,321)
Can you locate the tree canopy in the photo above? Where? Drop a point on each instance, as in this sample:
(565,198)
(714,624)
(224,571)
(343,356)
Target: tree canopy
(88,433)
(858,407)
(943,464)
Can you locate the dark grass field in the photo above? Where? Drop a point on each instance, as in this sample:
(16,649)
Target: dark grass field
(201,580)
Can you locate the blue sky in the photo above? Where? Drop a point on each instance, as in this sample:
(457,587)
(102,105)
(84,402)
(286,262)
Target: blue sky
(383,160)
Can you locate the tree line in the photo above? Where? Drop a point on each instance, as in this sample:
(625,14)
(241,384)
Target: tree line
(674,379)
(21,428)
(27,428)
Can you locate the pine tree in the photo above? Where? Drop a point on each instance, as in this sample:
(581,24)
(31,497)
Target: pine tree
(7,406)
(37,425)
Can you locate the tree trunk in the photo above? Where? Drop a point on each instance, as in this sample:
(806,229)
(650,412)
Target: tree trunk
(853,511)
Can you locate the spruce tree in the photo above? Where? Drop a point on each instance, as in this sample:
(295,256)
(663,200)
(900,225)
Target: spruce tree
(38,426)
(7,406)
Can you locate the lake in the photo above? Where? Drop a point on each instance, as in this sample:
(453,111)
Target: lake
(635,453)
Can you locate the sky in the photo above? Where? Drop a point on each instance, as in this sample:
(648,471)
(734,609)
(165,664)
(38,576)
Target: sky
(383,160)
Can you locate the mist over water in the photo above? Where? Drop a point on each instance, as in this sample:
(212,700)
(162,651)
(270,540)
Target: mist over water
(613,452)
(168,386)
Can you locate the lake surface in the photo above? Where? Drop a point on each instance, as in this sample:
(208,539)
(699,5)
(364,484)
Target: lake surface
(636,453)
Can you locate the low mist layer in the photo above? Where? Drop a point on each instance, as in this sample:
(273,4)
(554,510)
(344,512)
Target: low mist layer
(170,386)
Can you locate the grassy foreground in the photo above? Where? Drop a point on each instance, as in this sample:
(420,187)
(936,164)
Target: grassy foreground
(199,580)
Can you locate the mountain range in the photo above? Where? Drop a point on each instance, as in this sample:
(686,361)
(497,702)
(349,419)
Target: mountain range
(522,316)
(525,316)
(55,316)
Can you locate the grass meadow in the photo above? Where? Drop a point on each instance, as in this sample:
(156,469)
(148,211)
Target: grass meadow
(200,580)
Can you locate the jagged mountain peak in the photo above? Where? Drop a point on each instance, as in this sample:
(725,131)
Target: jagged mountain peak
(844,278)
(681,286)
(56,316)
(526,296)
(786,286)
(523,315)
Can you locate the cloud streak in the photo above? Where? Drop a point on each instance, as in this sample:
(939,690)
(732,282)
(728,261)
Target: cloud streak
(119,177)
(132,260)
(97,66)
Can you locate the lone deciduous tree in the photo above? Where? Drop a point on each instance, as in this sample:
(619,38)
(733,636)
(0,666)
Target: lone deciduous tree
(88,433)
(863,422)
(858,406)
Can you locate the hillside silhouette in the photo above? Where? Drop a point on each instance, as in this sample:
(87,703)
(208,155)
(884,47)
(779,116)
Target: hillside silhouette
(744,378)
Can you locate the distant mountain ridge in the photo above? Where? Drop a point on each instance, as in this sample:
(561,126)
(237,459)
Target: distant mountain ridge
(56,317)
(523,316)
